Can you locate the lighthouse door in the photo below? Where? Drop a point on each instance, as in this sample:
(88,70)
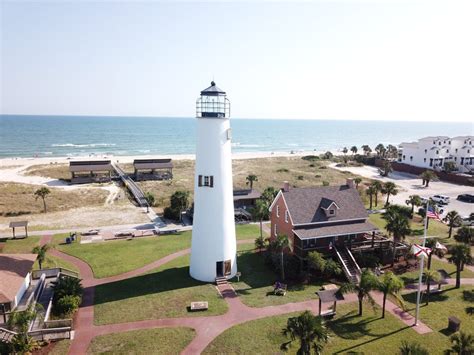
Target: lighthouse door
(219,268)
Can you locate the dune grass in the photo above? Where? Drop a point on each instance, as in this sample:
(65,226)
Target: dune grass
(162,293)
(54,171)
(270,172)
(19,199)
(349,333)
(147,341)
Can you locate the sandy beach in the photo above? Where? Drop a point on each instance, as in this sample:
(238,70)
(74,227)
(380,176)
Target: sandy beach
(12,169)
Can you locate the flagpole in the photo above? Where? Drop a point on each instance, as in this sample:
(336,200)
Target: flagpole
(418,296)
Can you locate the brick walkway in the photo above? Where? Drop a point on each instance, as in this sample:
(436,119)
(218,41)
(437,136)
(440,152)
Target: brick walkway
(207,328)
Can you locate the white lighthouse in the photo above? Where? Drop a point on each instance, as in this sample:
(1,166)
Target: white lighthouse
(213,248)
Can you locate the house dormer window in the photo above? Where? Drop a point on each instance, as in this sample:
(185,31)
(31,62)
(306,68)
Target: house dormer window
(330,208)
(332,212)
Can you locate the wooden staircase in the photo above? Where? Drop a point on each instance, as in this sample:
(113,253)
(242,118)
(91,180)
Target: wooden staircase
(221,281)
(349,265)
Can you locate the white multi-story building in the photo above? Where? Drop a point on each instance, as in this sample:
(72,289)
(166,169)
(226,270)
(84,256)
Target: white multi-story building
(434,152)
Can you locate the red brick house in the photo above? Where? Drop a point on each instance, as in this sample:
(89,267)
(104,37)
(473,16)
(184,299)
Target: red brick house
(320,218)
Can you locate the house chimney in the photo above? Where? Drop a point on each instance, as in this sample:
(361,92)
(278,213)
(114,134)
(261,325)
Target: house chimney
(350,183)
(286,186)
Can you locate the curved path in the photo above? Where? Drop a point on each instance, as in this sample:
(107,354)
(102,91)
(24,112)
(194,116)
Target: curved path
(207,328)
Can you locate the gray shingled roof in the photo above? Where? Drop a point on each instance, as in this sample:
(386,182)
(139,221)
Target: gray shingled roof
(305,204)
(339,229)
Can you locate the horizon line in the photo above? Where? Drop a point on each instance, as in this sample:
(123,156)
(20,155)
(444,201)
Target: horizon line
(238,118)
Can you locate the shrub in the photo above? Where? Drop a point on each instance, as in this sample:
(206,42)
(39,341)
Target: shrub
(325,183)
(300,177)
(323,167)
(179,202)
(327,156)
(317,176)
(67,305)
(310,157)
(282,170)
(312,165)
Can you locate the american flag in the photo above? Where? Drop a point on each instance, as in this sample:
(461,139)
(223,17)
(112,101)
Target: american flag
(433,214)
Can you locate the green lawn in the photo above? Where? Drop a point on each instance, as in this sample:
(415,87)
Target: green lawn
(165,292)
(61,347)
(116,257)
(450,302)
(248,231)
(53,262)
(148,341)
(349,333)
(256,283)
(436,264)
(16,246)
(435,228)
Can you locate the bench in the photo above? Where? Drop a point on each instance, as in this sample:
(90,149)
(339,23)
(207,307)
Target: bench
(199,306)
(280,290)
(454,324)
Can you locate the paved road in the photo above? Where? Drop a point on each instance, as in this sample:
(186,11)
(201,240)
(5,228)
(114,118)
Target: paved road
(411,185)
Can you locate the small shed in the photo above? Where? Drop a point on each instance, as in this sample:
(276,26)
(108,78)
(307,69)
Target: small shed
(153,169)
(19,224)
(88,171)
(327,296)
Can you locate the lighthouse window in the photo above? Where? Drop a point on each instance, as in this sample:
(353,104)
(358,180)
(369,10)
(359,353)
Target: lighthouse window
(208,181)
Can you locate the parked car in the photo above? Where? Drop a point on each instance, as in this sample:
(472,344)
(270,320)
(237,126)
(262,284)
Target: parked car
(441,199)
(466,221)
(466,198)
(91,232)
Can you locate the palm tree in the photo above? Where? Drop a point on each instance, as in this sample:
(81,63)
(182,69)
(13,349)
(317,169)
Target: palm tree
(280,243)
(345,150)
(251,179)
(392,151)
(366,149)
(260,211)
(398,225)
(380,150)
(269,194)
(453,219)
(377,185)
(19,321)
(462,344)
(357,181)
(386,168)
(389,188)
(150,200)
(465,235)
(460,254)
(413,200)
(66,286)
(371,191)
(260,243)
(368,282)
(412,349)
(354,150)
(428,176)
(431,243)
(41,252)
(390,285)
(310,330)
(430,276)
(42,192)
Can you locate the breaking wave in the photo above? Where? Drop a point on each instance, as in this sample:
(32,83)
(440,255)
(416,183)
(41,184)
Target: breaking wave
(92,145)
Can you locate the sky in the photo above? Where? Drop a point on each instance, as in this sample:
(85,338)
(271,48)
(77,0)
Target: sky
(366,60)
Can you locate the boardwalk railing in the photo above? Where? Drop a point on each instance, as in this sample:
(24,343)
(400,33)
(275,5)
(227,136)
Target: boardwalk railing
(54,272)
(134,189)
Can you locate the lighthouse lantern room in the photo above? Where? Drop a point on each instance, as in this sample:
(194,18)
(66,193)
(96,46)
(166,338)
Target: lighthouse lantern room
(213,248)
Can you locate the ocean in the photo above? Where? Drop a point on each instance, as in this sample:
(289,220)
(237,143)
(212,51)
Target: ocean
(58,136)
